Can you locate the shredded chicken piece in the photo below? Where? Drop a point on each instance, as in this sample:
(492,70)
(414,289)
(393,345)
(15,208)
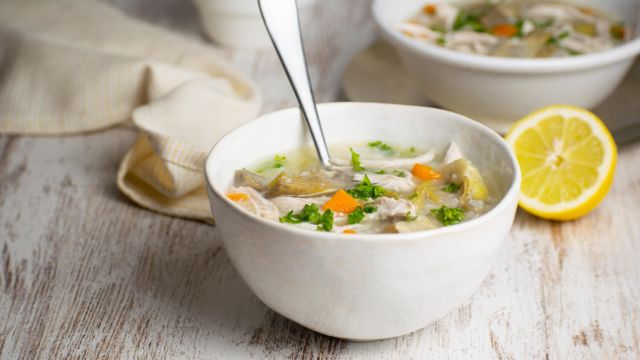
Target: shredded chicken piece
(256,203)
(471,41)
(390,208)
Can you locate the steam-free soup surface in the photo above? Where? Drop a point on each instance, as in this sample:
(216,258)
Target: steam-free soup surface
(534,29)
(373,187)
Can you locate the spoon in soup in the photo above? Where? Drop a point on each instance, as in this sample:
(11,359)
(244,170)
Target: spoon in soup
(283,25)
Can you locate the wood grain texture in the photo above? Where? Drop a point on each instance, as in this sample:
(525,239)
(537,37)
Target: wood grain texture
(85,274)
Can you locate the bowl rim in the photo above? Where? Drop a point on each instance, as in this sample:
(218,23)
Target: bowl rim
(616,54)
(510,196)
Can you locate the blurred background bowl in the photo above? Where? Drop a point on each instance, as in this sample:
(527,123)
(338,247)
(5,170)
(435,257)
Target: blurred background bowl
(498,91)
(237,23)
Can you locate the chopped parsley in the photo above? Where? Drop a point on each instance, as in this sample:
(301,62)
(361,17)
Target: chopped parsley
(380,172)
(369,209)
(309,213)
(325,223)
(290,218)
(410,217)
(399,173)
(466,20)
(520,26)
(356,216)
(355,161)
(448,216)
(555,40)
(386,148)
(365,190)
(276,163)
(451,188)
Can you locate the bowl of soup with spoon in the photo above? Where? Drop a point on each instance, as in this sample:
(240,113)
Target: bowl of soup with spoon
(401,228)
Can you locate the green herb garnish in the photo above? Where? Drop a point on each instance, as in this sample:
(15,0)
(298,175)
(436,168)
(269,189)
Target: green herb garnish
(310,213)
(356,216)
(451,188)
(365,190)
(555,40)
(381,146)
(355,161)
(519,25)
(278,162)
(399,173)
(470,21)
(290,218)
(369,209)
(448,216)
(380,172)
(325,222)
(410,217)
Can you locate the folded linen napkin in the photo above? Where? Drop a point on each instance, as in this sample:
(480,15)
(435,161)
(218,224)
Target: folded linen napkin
(72,66)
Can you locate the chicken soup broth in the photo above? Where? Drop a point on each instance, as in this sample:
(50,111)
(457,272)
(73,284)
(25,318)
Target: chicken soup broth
(374,187)
(529,29)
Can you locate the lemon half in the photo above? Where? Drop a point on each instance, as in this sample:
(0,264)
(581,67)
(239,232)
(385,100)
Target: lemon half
(567,157)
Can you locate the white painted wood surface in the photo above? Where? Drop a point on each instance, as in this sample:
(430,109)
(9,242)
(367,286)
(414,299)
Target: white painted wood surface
(86,274)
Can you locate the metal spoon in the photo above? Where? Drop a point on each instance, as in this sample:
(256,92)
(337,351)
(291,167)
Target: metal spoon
(283,25)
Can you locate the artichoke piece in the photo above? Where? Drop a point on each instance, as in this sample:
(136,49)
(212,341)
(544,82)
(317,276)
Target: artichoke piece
(423,192)
(529,46)
(313,183)
(585,28)
(421,223)
(245,177)
(473,186)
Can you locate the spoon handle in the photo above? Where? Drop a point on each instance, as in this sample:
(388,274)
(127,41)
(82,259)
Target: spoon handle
(283,26)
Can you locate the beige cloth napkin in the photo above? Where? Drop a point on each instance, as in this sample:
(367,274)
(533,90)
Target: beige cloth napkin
(71,66)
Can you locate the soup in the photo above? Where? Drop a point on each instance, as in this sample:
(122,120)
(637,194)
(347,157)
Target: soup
(521,29)
(369,188)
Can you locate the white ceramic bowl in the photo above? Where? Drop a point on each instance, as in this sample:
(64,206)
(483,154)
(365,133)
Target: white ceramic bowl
(363,286)
(498,91)
(237,23)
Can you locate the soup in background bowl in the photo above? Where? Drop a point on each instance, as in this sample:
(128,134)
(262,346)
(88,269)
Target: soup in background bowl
(362,286)
(519,29)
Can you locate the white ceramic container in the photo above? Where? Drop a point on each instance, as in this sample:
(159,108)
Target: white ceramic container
(237,23)
(362,286)
(499,91)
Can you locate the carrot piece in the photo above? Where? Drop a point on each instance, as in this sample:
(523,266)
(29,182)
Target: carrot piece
(349,231)
(341,202)
(238,197)
(425,172)
(506,30)
(429,9)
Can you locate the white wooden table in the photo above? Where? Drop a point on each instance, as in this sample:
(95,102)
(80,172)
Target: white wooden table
(86,274)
